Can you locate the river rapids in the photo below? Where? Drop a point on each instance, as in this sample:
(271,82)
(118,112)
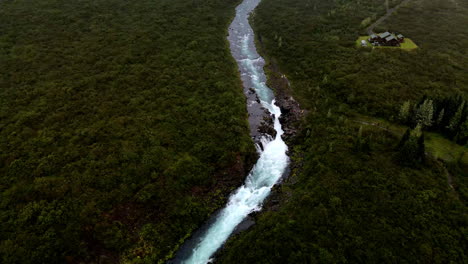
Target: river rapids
(273,160)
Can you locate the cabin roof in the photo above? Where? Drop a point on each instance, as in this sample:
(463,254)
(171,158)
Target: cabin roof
(385,34)
(400,36)
(389,38)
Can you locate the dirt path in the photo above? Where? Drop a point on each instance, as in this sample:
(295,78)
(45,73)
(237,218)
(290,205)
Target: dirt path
(370,29)
(375,125)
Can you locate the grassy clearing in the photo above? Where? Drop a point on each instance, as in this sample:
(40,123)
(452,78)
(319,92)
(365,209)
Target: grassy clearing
(445,149)
(407,45)
(436,145)
(358,41)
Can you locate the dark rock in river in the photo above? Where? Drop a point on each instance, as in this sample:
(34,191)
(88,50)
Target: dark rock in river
(257,99)
(290,115)
(267,125)
(260,119)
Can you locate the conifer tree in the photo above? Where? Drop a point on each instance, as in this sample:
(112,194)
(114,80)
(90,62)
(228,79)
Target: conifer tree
(421,153)
(456,119)
(425,113)
(408,153)
(411,149)
(404,112)
(405,138)
(462,136)
(440,117)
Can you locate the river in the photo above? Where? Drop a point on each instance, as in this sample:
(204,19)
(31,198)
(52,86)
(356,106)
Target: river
(272,162)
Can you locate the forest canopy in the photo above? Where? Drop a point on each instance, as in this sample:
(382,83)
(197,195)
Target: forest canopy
(360,191)
(122,126)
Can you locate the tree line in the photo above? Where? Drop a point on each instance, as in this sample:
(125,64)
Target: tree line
(446,115)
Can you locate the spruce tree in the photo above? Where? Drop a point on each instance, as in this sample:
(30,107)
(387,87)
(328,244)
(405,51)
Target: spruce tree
(440,117)
(456,119)
(421,153)
(408,153)
(404,112)
(411,149)
(425,113)
(462,135)
(405,138)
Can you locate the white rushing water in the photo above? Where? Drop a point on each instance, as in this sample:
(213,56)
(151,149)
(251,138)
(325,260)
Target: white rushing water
(273,159)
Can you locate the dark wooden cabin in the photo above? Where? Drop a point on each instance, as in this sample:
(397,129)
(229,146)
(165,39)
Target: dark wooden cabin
(386,39)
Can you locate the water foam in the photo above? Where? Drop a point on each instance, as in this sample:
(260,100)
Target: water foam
(273,159)
(248,198)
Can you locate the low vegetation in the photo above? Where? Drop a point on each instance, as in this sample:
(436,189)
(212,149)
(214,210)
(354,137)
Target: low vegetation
(122,127)
(354,201)
(359,192)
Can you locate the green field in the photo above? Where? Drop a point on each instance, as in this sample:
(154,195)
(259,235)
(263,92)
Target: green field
(436,145)
(407,45)
(445,149)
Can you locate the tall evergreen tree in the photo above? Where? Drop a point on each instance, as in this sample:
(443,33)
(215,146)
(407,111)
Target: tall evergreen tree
(462,135)
(440,117)
(405,138)
(421,153)
(425,113)
(404,112)
(456,119)
(411,148)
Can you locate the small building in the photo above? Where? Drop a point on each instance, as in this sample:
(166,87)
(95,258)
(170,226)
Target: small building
(373,37)
(400,38)
(391,41)
(384,35)
(363,43)
(386,39)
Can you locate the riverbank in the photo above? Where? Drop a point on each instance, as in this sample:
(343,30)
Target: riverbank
(292,114)
(353,201)
(266,130)
(291,119)
(126,127)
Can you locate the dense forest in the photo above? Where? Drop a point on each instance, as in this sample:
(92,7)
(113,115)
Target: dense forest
(359,192)
(355,204)
(122,127)
(315,45)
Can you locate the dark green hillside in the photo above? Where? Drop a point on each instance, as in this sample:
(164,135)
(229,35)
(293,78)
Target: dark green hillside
(354,203)
(122,126)
(439,30)
(313,42)
(362,192)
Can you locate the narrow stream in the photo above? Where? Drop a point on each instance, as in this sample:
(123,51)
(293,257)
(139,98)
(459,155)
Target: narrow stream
(273,160)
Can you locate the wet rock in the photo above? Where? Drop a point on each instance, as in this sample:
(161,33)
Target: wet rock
(257,99)
(291,114)
(260,119)
(267,125)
